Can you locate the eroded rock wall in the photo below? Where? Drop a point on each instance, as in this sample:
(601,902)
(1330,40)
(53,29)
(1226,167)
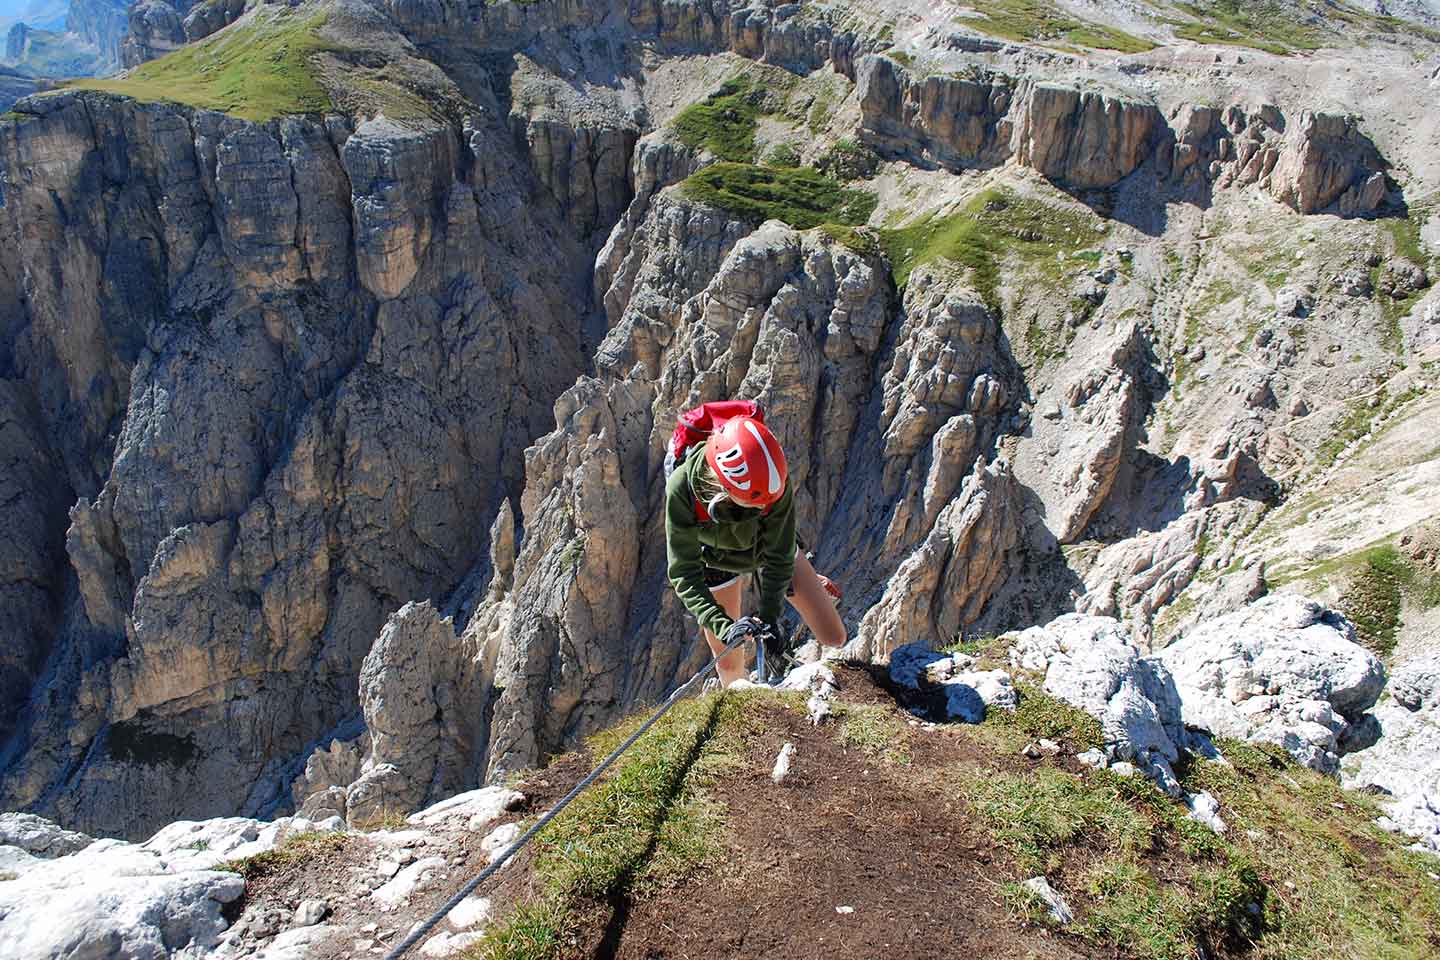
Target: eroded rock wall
(289,370)
(1083,139)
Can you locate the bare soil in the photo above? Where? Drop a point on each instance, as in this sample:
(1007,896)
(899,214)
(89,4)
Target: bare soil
(850,856)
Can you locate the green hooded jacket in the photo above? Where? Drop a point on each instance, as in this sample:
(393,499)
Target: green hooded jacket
(736,539)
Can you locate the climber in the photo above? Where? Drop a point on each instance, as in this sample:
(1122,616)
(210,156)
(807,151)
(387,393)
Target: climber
(730,512)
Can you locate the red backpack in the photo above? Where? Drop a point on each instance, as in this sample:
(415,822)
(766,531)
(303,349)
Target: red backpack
(694,426)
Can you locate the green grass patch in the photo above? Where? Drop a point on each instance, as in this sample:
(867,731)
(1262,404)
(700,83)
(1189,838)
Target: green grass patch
(1166,922)
(1352,426)
(1405,236)
(256,70)
(1039,715)
(1381,580)
(800,196)
(991,227)
(647,824)
(1037,813)
(874,730)
(574,550)
(724,122)
(1267,25)
(1037,21)
(293,850)
(1338,885)
(535,931)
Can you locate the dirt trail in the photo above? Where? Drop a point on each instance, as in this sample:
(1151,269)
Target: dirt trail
(852,855)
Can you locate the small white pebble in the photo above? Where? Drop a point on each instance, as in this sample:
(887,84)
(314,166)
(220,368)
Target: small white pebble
(844,910)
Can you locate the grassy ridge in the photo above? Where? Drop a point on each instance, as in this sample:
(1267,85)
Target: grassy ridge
(256,70)
(647,823)
(993,226)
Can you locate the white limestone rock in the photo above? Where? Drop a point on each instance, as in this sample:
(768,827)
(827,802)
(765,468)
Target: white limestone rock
(39,837)
(477,807)
(1284,670)
(399,889)
(1059,910)
(1205,809)
(302,943)
(782,764)
(498,839)
(470,912)
(968,692)
(103,909)
(1404,763)
(1089,663)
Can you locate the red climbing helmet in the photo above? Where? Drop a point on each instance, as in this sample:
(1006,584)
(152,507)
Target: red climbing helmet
(748,461)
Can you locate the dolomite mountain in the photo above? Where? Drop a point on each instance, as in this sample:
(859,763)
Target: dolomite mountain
(333,440)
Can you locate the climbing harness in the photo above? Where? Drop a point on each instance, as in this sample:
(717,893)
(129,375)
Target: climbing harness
(738,633)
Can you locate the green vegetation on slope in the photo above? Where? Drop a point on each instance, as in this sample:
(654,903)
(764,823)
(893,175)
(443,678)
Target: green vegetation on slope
(646,823)
(1338,886)
(1302,871)
(255,70)
(1381,580)
(724,122)
(1025,21)
(1265,25)
(801,196)
(994,225)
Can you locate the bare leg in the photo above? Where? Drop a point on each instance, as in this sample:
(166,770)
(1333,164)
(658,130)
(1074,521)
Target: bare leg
(732,665)
(813,604)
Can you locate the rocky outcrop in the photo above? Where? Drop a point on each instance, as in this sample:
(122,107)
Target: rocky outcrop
(423,698)
(343,334)
(155,28)
(1089,663)
(101,24)
(39,837)
(1403,764)
(945,583)
(1083,139)
(1326,162)
(107,898)
(1284,670)
(1078,139)
(755,29)
(955,122)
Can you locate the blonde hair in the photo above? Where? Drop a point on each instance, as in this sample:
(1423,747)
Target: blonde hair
(707,488)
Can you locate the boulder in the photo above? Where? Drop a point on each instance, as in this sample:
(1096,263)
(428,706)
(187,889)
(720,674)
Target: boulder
(39,837)
(1283,670)
(1404,762)
(1089,662)
(113,900)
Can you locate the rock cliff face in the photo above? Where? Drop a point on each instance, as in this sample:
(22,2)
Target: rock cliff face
(335,441)
(286,398)
(1083,140)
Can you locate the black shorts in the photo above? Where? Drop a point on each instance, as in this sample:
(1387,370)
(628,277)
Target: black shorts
(715,579)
